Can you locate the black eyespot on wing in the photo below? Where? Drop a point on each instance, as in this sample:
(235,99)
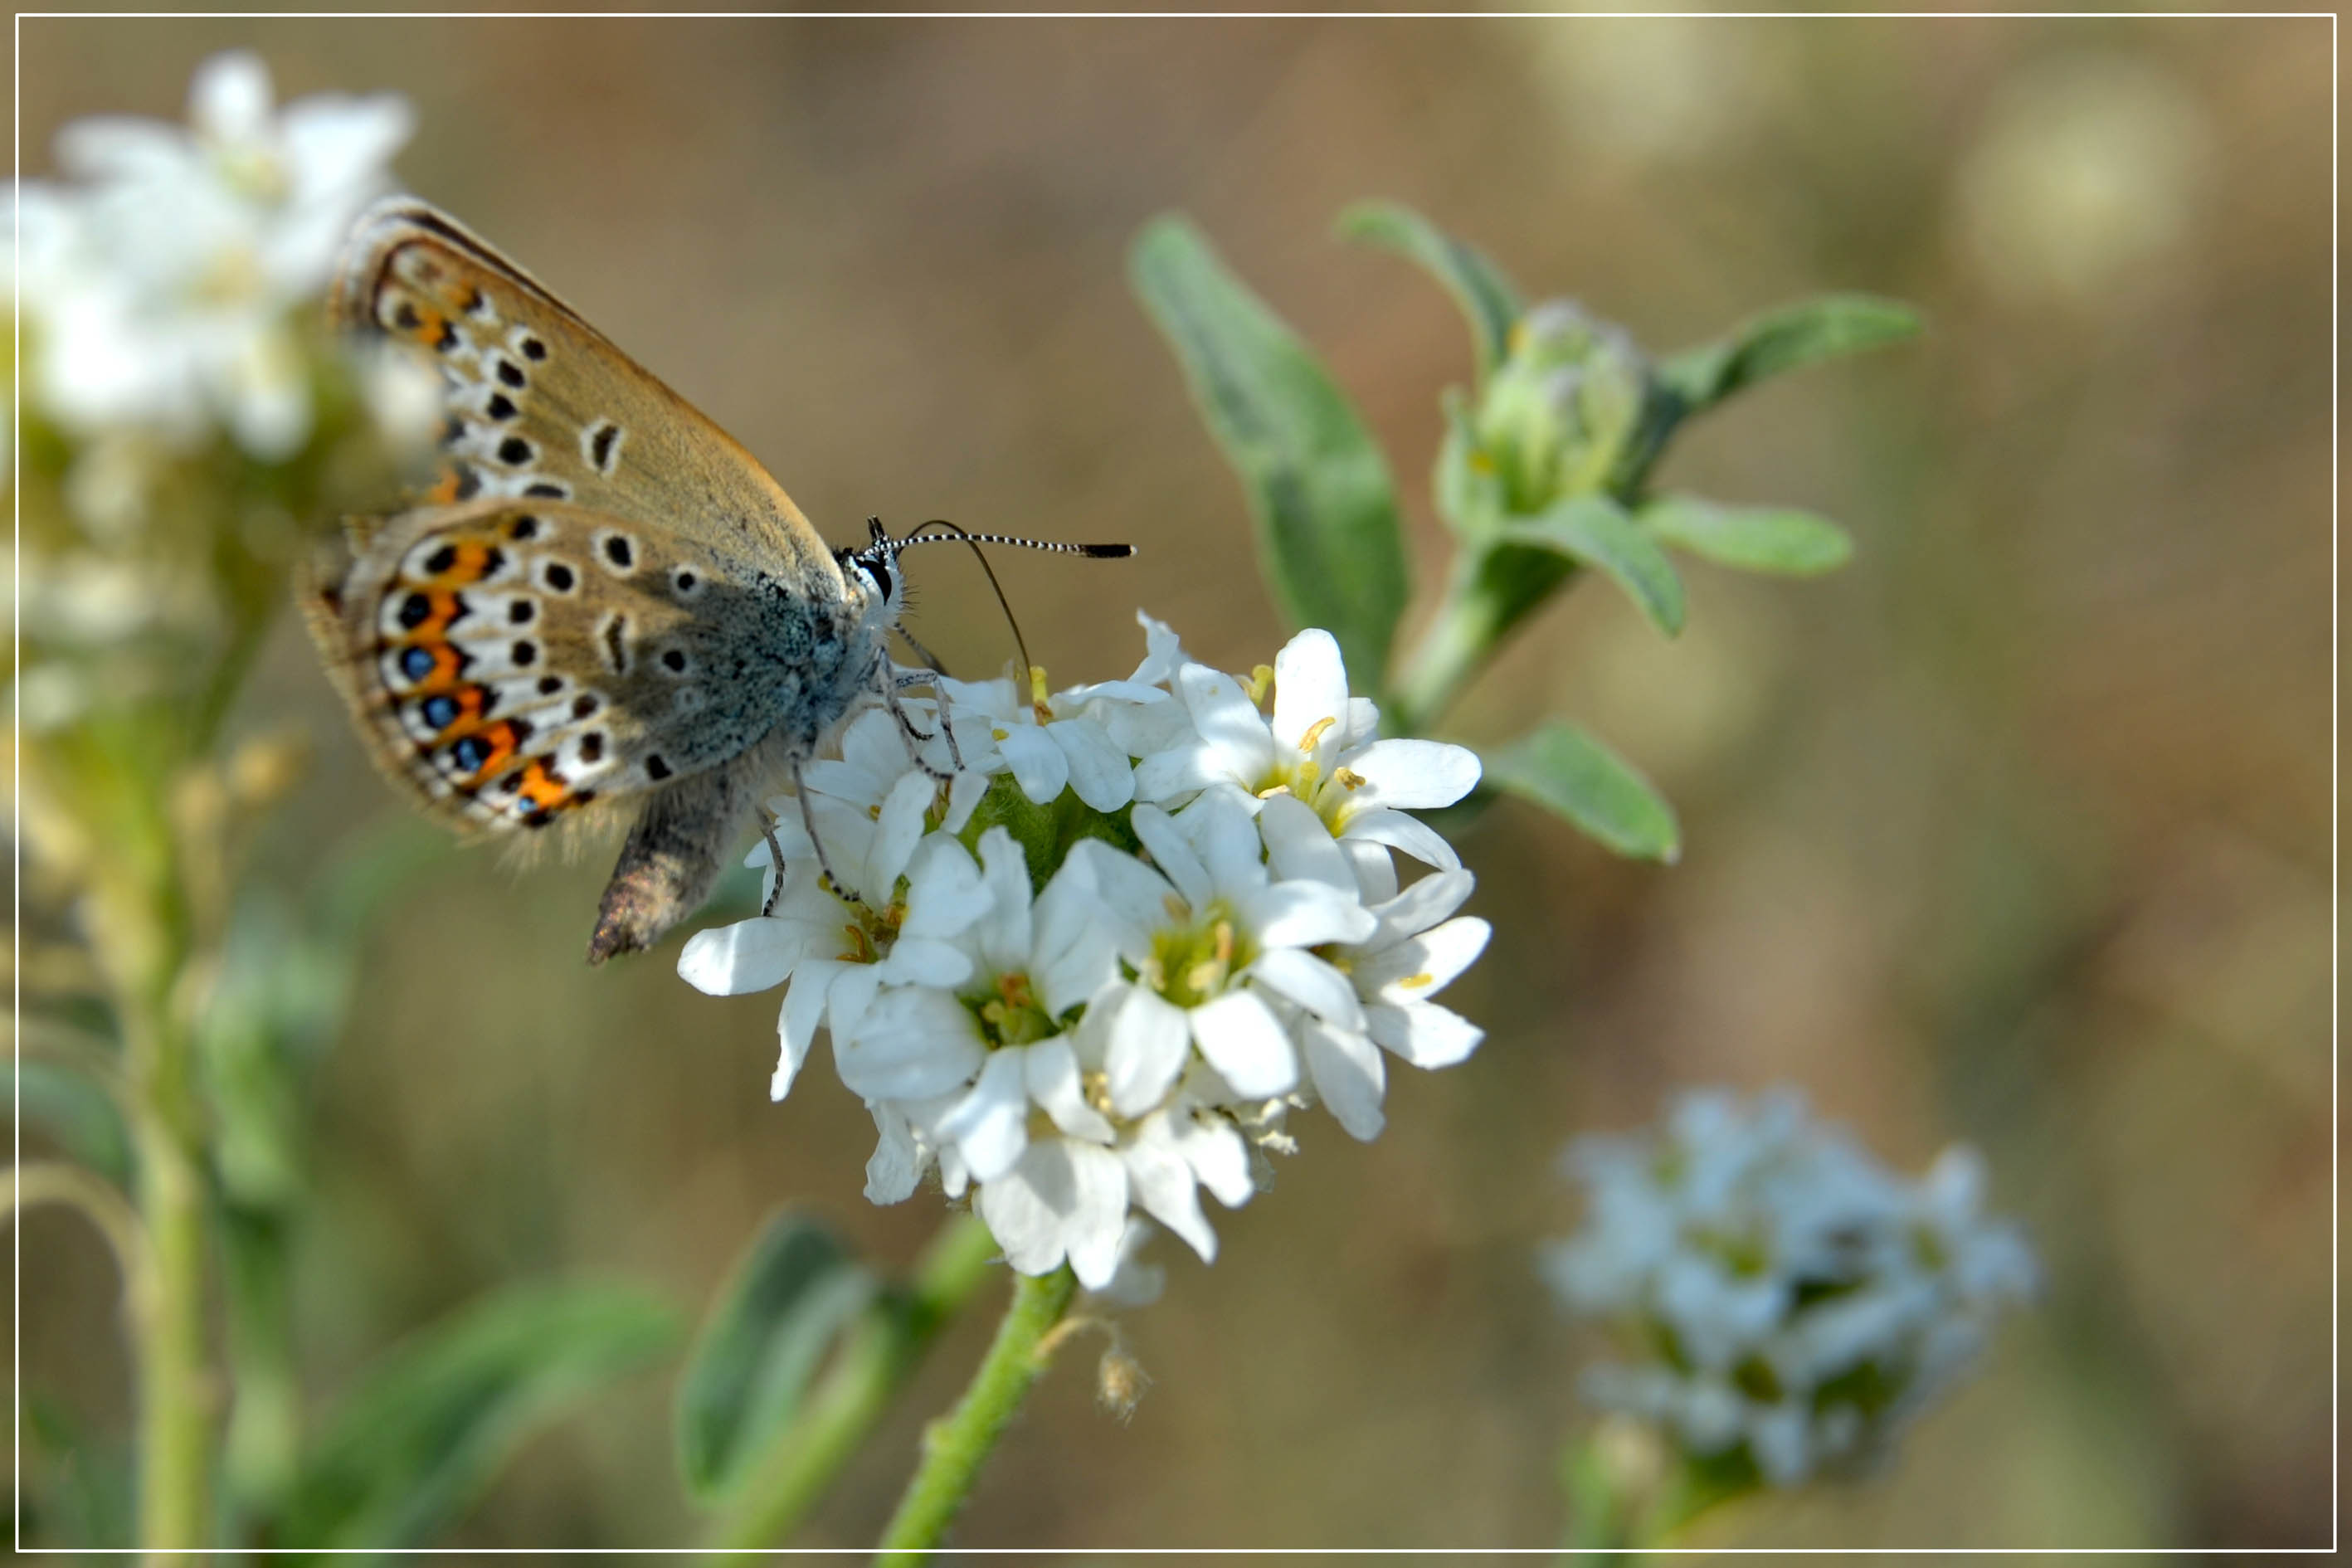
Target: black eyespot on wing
(440,711)
(523,652)
(547,489)
(404,316)
(674,661)
(519,612)
(524,528)
(584,705)
(592,746)
(511,373)
(413,610)
(417,663)
(685,580)
(559,577)
(533,349)
(617,551)
(469,483)
(656,768)
(447,339)
(549,684)
(600,445)
(500,406)
(515,452)
(470,753)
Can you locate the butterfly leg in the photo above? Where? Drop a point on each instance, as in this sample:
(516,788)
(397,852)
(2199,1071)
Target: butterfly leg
(775,859)
(915,735)
(808,821)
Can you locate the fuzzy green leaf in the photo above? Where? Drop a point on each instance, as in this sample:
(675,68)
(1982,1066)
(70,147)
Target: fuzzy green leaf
(430,1425)
(789,1299)
(1795,335)
(1328,539)
(1595,531)
(1779,539)
(1485,296)
(1560,766)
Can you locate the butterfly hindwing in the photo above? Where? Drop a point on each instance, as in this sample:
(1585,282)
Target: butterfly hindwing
(540,406)
(513,660)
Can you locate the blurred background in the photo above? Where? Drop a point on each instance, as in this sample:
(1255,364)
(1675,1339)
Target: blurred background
(2015,831)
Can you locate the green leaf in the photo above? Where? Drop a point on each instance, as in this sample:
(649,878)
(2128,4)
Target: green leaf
(1478,286)
(789,1299)
(1751,538)
(1560,766)
(1329,540)
(1783,339)
(429,1427)
(1595,531)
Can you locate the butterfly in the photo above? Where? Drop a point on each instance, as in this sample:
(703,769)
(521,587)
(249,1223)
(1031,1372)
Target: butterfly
(600,602)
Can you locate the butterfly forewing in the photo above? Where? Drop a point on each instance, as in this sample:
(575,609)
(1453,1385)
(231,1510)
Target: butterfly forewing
(541,405)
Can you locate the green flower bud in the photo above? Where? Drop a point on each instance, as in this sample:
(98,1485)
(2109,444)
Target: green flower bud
(1564,414)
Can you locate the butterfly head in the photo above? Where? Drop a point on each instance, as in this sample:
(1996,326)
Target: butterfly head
(873,573)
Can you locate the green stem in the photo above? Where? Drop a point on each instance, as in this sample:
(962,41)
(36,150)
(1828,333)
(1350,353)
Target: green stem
(877,1362)
(955,1447)
(176,1416)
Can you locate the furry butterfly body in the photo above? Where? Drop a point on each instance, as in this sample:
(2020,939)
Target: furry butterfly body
(601,602)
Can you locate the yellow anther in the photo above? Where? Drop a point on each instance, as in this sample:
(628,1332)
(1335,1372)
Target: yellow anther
(1176,907)
(998,734)
(1261,682)
(1349,778)
(1314,733)
(1038,701)
(1417,982)
(1224,934)
(1270,791)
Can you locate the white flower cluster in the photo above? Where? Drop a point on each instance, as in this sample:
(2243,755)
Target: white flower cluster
(1790,1295)
(1146,919)
(161,289)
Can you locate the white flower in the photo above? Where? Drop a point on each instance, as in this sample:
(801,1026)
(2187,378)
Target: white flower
(1319,744)
(163,289)
(1080,1036)
(1798,1298)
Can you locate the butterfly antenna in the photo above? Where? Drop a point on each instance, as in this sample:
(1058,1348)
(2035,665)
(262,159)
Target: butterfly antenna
(919,534)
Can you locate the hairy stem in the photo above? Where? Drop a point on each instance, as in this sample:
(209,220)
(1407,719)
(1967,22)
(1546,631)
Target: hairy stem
(955,1447)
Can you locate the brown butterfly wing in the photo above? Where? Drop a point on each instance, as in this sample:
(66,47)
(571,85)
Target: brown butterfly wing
(541,405)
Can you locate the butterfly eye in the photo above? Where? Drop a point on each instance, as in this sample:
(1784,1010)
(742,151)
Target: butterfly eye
(879,571)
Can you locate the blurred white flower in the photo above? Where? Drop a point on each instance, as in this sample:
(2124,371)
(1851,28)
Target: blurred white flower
(161,288)
(1792,1295)
(1081,1008)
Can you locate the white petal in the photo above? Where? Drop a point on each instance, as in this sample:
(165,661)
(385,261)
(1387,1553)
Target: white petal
(1299,847)
(1163,654)
(229,98)
(1005,934)
(1398,831)
(1038,765)
(1420,907)
(1375,869)
(1164,1185)
(1306,914)
(1131,897)
(945,893)
(963,796)
(1062,1199)
(1422,1033)
(1173,773)
(910,1042)
(749,956)
(1309,981)
(1310,685)
(991,1124)
(1054,1083)
(1171,851)
(1239,1035)
(1098,771)
(896,834)
(1411,774)
(1222,827)
(1148,1046)
(1074,951)
(1162,729)
(896,1163)
(1213,1146)
(797,1022)
(1349,1077)
(1422,966)
(1231,730)
(924,961)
